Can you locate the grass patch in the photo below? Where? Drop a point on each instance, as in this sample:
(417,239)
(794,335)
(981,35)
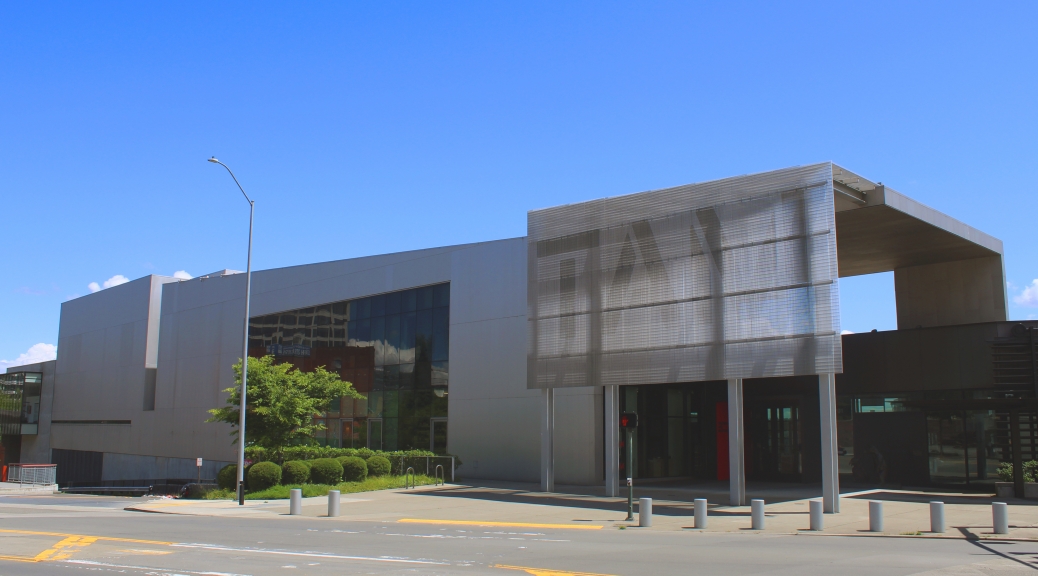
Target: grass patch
(312,490)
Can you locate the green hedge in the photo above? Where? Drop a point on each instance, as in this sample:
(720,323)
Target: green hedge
(378,465)
(257,454)
(263,475)
(227,477)
(295,472)
(355,469)
(326,471)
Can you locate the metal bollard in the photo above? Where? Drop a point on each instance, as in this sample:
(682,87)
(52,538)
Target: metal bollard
(937,517)
(700,512)
(757,514)
(645,512)
(333,503)
(875,516)
(817,519)
(1000,517)
(295,502)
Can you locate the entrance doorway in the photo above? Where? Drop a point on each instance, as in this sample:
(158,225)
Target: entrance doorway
(438,435)
(775,443)
(375,434)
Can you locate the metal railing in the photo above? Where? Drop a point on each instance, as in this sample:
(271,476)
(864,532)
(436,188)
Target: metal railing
(45,474)
(401,464)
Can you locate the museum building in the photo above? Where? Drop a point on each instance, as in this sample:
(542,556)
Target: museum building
(712,310)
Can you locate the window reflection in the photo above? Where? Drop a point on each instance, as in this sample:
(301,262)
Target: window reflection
(392,347)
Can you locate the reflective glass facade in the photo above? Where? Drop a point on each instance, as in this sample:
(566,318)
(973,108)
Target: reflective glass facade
(20,403)
(393,348)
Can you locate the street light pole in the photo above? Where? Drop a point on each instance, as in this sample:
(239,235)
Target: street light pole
(245,344)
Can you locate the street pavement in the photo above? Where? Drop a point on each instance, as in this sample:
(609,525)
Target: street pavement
(446,531)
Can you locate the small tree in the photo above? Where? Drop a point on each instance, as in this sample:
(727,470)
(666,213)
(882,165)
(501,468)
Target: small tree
(282,403)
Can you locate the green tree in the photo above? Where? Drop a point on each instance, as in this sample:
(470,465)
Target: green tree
(282,404)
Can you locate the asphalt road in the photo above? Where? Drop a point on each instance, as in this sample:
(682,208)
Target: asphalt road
(94,535)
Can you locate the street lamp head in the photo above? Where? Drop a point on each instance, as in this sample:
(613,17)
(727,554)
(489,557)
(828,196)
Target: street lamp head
(214,160)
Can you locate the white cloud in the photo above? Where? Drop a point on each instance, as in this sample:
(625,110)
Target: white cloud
(37,353)
(1029,295)
(846,332)
(182,274)
(113,281)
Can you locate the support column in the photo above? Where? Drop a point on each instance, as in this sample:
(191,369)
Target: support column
(830,456)
(611,401)
(736,452)
(548,441)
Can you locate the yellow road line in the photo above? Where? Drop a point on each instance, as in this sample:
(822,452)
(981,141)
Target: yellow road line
(545,571)
(501,524)
(108,538)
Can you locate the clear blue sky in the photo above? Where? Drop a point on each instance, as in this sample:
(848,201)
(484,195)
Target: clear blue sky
(364,128)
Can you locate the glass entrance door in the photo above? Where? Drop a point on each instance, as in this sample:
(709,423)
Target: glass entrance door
(438,435)
(775,441)
(375,434)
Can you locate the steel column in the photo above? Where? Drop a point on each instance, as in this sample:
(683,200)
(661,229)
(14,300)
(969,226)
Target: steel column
(736,451)
(830,456)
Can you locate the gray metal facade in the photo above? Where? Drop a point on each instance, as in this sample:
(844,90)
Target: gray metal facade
(735,278)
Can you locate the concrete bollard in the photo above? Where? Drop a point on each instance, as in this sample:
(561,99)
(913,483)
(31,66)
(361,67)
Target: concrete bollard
(333,503)
(700,512)
(817,519)
(757,514)
(295,502)
(645,512)
(875,516)
(937,517)
(1000,517)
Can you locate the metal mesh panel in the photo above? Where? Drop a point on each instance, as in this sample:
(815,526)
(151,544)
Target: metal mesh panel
(729,279)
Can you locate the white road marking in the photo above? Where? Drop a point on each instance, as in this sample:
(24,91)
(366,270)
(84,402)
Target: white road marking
(219,548)
(151,568)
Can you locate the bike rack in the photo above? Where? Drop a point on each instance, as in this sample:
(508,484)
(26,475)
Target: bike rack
(439,475)
(409,478)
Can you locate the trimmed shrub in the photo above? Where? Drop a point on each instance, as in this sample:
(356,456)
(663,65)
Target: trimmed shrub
(354,469)
(326,471)
(245,477)
(263,475)
(295,472)
(378,465)
(227,477)
(364,453)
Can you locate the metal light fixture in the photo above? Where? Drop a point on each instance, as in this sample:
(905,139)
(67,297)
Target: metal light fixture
(245,344)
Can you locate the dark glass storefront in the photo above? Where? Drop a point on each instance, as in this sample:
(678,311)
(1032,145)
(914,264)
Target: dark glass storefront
(392,347)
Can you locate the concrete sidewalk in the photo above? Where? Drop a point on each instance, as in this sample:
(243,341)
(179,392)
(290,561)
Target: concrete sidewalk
(968,516)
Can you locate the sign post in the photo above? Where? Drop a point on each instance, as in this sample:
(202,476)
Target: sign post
(629,421)
(198,463)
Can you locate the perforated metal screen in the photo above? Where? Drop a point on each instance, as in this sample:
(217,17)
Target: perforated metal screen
(735,278)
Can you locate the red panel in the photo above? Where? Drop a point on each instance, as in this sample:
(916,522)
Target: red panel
(722,440)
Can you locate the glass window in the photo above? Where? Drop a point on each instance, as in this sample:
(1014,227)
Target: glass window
(378,338)
(393,348)
(392,355)
(408,300)
(393,303)
(389,403)
(378,306)
(389,434)
(422,375)
(423,336)
(406,377)
(407,338)
(391,377)
(425,298)
(442,295)
(440,334)
(375,406)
